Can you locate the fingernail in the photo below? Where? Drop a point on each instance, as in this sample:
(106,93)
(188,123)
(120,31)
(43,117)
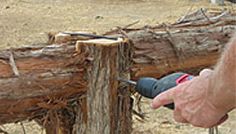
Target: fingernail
(206,72)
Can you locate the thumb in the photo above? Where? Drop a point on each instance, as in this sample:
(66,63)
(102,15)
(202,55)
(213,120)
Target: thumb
(206,72)
(163,99)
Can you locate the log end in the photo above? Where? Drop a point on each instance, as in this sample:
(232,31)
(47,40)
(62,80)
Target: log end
(98,42)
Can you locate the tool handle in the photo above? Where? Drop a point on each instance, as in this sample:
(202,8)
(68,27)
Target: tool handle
(169,82)
(151,87)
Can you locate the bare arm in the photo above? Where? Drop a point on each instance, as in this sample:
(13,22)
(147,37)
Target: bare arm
(223,82)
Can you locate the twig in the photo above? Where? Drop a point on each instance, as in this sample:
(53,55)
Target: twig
(46,118)
(182,18)
(219,16)
(124,33)
(203,13)
(139,105)
(131,24)
(172,43)
(140,115)
(23,128)
(194,16)
(118,28)
(13,64)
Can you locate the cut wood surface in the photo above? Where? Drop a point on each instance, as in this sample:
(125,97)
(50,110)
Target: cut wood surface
(35,80)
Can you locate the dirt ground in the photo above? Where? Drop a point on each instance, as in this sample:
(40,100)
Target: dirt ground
(24,22)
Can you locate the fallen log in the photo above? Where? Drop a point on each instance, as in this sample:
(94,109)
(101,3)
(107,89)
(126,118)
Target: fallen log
(157,54)
(194,42)
(45,82)
(45,74)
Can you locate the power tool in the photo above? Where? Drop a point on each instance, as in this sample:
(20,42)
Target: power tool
(150,87)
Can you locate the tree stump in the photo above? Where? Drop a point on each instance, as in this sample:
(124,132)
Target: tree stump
(108,101)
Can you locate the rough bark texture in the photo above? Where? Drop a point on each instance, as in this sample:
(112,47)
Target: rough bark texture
(80,125)
(195,41)
(48,76)
(108,103)
(157,54)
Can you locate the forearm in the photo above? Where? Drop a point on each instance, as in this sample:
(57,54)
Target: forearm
(223,82)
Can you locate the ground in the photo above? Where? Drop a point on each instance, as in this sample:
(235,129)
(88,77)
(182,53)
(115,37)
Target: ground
(24,22)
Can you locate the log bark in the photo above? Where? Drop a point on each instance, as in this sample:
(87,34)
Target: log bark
(80,125)
(108,102)
(195,41)
(46,75)
(160,53)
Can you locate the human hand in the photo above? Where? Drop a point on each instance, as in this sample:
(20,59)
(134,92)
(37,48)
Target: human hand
(192,103)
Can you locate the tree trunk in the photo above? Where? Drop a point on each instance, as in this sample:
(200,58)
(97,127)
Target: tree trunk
(108,102)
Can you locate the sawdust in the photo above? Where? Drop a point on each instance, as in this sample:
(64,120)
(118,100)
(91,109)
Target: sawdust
(25,22)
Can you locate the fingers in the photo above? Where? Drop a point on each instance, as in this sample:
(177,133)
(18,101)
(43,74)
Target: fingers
(163,99)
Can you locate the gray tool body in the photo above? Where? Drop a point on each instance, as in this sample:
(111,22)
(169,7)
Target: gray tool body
(151,87)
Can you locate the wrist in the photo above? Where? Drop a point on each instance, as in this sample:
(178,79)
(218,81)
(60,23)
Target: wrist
(222,93)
